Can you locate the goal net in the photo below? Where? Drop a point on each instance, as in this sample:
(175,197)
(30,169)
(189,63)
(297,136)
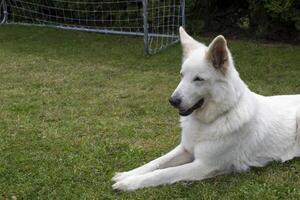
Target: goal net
(155,20)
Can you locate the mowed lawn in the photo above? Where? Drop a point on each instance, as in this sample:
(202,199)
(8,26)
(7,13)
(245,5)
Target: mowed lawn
(76,107)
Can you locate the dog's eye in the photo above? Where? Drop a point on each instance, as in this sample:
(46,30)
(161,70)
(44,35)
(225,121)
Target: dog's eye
(198,79)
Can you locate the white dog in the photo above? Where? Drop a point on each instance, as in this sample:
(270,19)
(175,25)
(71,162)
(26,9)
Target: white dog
(225,126)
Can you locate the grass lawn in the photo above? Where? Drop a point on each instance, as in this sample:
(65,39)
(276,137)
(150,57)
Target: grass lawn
(76,107)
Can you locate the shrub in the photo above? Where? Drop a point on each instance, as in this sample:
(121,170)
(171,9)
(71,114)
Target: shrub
(266,19)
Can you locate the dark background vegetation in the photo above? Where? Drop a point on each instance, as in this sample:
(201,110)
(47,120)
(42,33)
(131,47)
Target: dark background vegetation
(260,19)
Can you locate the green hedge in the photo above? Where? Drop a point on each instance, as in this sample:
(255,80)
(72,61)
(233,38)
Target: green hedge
(266,19)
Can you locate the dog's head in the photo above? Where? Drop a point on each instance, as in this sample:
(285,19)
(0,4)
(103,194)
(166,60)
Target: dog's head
(203,72)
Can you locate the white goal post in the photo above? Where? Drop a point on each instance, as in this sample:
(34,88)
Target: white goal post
(157,21)
(3,12)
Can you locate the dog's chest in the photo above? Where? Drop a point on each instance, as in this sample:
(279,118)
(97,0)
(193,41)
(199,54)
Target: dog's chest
(195,134)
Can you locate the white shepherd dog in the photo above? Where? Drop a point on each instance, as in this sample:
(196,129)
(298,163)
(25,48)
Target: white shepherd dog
(225,126)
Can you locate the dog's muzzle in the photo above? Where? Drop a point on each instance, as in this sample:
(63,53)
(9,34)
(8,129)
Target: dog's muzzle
(190,110)
(175,102)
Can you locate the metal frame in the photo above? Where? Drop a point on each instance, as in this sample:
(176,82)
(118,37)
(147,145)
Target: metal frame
(145,18)
(146,35)
(5,13)
(105,31)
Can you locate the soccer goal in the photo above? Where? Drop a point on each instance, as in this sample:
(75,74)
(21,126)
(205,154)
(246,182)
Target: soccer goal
(156,21)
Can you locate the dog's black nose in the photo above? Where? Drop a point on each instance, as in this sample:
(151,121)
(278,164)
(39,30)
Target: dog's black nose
(175,102)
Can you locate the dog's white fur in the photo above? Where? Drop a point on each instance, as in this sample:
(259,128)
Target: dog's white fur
(233,130)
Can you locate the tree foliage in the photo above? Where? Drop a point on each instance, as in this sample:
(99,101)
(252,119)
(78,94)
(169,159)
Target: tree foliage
(267,19)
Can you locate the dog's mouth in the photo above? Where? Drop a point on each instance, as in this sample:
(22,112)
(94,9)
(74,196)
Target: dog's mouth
(190,110)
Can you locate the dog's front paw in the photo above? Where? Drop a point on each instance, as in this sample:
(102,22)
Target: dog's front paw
(120,186)
(120,176)
(126,185)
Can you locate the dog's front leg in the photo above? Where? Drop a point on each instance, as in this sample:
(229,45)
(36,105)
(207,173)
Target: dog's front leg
(191,171)
(177,156)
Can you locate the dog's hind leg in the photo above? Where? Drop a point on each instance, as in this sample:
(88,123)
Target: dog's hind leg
(297,137)
(298,126)
(177,156)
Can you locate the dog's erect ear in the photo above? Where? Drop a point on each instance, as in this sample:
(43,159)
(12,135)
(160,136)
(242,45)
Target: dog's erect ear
(218,53)
(187,42)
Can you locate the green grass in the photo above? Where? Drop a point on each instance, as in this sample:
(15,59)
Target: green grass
(76,107)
